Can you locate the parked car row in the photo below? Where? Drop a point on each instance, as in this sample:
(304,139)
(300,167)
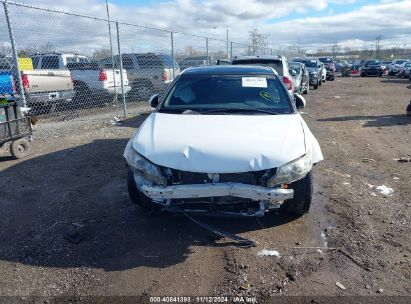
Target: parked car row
(70,80)
(375,67)
(297,75)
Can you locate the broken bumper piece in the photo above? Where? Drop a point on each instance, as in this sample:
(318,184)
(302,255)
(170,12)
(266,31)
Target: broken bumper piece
(256,193)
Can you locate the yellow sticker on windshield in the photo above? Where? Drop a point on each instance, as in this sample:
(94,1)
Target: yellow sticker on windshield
(268,96)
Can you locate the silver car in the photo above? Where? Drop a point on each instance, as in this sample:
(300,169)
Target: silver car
(147,72)
(278,63)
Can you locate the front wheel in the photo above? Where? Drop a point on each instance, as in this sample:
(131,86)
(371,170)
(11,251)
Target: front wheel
(301,201)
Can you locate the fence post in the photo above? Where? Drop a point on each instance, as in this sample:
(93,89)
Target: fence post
(121,72)
(111,51)
(208,59)
(15,58)
(172,53)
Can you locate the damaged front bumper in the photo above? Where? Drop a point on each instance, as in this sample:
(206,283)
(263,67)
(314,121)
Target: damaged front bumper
(214,199)
(256,193)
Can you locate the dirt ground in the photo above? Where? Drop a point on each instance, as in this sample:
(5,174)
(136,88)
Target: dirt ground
(68,228)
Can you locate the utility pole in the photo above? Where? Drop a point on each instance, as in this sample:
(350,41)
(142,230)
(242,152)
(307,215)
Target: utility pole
(377,45)
(228,56)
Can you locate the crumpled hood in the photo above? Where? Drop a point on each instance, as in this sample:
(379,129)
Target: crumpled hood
(223,143)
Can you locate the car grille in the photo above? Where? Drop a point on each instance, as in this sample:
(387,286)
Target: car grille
(251,178)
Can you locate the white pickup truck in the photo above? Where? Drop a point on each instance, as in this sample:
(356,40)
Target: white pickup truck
(43,89)
(92,84)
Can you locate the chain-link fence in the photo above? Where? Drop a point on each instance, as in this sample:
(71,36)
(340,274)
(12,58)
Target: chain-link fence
(68,64)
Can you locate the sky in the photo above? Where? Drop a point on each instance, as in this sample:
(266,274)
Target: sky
(305,23)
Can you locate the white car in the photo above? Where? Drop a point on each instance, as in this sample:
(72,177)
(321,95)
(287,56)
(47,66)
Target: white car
(324,72)
(405,69)
(395,66)
(225,140)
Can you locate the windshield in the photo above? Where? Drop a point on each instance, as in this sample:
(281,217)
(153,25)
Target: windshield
(326,60)
(295,66)
(372,62)
(202,93)
(308,63)
(277,65)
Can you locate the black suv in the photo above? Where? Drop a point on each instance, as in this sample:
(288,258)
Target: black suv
(371,68)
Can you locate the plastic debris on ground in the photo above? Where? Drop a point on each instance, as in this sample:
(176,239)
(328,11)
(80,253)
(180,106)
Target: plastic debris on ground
(339,285)
(115,121)
(385,190)
(403,159)
(266,252)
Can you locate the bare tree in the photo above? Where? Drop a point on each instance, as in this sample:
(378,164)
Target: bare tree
(257,39)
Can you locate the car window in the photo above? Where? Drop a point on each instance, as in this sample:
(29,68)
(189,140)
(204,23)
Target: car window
(150,61)
(295,67)
(168,61)
(35,61)
(372,62)
(277,65)
(309,63)
(326,60)
(127,61)
(82,60)
(201,92)
(71,59)
(50,62)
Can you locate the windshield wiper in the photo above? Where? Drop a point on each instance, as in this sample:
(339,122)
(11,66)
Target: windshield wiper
(231,110)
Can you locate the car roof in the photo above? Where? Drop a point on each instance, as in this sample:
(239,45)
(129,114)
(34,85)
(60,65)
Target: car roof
(258,57)
(229,70)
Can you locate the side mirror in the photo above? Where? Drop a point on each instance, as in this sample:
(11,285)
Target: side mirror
(293,72)
(299,101)
(154,101)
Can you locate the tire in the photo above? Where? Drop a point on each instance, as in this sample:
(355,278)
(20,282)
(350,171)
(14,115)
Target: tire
(316,86)
(332,78)
(82,97)
(141,90)
(136,196)
(301,202)
(19,148)
(320,83)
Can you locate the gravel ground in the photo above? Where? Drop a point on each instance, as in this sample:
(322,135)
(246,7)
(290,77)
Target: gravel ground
(68,228)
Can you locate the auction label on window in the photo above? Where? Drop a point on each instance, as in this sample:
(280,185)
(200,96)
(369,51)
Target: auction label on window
(254,82)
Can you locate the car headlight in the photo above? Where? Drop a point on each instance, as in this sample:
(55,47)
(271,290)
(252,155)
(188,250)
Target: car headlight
(291,171)
(146,168)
